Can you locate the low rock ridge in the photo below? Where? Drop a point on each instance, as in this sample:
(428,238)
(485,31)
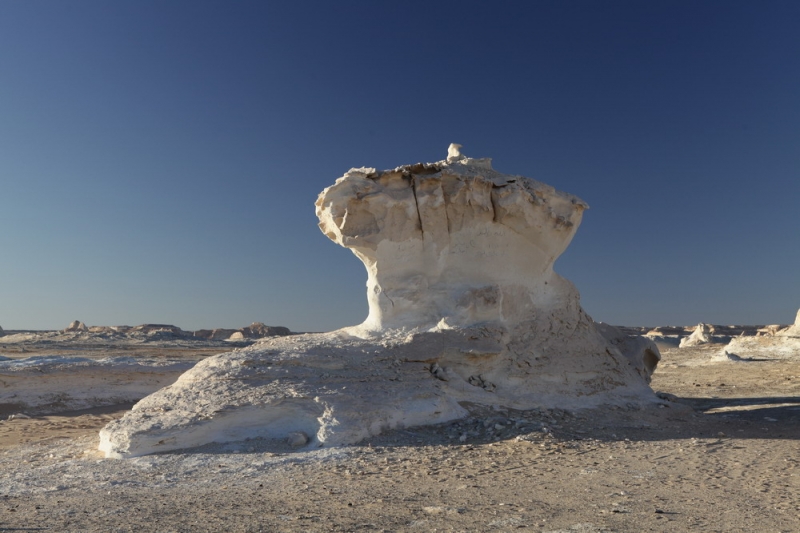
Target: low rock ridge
(78,331)
(775,343)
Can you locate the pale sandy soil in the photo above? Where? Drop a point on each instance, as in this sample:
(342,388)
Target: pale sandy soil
(723,458)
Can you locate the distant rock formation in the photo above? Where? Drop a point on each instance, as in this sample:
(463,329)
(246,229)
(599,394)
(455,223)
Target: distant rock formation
(46,384)
(76,326)
(214,334)
(769,330)
(702,334)
(1,331)
(793,330)
(256,330)
(783,344)
(464,308)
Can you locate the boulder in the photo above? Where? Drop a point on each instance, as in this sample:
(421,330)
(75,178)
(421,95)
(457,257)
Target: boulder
(464,308)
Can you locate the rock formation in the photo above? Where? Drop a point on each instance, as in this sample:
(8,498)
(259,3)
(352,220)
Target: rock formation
(256,330)
(458,243)
(784,344)
(76,326)
(464,308)
(793,330)
(51,383)
(702,334)
(1,331)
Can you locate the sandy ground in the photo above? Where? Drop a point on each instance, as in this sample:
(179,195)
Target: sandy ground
(723,457)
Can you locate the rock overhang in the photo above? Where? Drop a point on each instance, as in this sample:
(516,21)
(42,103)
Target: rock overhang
(464,308)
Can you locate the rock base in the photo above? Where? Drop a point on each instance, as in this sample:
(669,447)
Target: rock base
(335,389)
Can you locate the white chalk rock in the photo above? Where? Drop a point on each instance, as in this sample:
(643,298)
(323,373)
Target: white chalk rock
(785,344)
(456,242)
(52,383)
(702,334)
(464,307)
(76,326)
(793,330)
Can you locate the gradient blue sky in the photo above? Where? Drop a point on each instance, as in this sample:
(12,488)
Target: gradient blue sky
(159,160)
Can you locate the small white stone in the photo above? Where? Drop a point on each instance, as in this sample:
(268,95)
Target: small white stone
(454,153)
(297,439)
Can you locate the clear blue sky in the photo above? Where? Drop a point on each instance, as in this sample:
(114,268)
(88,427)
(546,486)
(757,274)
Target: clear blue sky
(159,160)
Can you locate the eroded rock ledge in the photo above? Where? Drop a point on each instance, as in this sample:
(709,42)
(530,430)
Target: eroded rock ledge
(454,241)
(464,308)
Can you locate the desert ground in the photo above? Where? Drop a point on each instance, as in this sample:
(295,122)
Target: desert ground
(720,453)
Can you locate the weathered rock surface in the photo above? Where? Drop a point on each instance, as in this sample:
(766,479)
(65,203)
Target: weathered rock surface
(464,308)
(784,344)
(641,351)
(142,334)
(702,334)
(793,330)
(50,384)
(457,242)
(76,325)
(256,330)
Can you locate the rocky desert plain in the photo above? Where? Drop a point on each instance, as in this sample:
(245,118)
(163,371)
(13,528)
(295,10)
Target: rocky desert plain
(477,396)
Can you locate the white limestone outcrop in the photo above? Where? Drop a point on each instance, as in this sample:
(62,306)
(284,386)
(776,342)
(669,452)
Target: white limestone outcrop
(702,334)
(76,326)
(785,344)
(464,308)
(454,242)
(793,330)
(52,384)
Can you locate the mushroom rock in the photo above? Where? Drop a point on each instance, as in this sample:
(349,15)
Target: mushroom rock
(456,243)
(464,308)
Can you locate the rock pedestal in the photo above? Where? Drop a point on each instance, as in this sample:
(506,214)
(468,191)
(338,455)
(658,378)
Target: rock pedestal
(455,242)
(464,308)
